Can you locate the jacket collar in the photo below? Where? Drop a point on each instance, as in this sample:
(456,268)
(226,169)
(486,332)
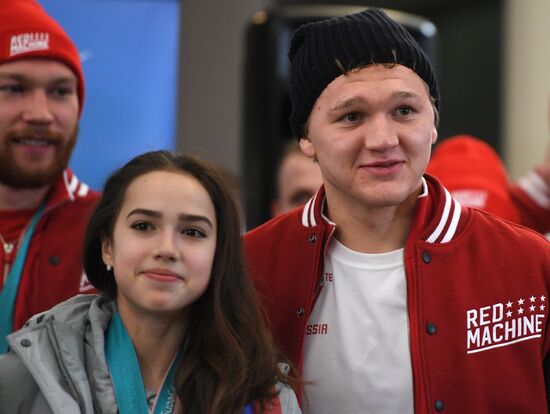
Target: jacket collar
(438,216)
(312,213)
(66,189)
(68,343)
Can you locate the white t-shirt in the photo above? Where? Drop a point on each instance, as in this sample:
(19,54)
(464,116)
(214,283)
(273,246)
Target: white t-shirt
(356,348)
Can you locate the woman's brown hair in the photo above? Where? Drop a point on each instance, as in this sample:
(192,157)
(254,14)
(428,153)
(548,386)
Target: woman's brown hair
(230,359)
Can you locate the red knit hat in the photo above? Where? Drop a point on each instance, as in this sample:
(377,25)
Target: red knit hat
(474,174)
(27,31)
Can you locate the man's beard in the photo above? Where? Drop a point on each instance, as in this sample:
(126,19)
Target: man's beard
(16,175)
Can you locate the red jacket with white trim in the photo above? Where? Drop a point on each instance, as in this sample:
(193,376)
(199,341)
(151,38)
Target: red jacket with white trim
(53,269)
(478,291)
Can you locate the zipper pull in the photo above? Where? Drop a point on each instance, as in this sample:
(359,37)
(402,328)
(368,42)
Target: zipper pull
(8,247)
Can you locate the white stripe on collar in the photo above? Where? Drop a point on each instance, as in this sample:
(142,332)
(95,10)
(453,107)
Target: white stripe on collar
(453,221)
(312,220)
(308,216)
(306,212)
(73,184)
(323,213)
(424,192)
(68,185)
(83,190)
(437,232)
(74,187)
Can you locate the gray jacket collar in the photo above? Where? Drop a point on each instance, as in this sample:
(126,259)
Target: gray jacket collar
(57,346)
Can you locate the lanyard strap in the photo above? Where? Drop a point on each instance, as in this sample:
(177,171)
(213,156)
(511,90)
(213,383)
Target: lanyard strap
(126,375)
(9,291)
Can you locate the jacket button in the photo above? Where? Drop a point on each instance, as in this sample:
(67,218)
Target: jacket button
(439,406)
(431,328)
(26,342)
(300,312)
(54,260)
(312,238)
(426,257)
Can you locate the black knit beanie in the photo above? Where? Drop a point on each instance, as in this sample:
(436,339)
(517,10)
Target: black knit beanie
(320,50)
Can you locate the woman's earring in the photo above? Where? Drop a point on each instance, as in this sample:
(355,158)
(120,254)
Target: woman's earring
(109,267)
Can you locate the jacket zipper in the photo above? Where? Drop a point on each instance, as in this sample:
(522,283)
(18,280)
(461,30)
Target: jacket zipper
(8,250)
(411,356)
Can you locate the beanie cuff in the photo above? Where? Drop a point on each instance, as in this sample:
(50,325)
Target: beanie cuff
(321,51)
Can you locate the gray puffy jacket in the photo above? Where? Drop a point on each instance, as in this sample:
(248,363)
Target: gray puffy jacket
(56,364)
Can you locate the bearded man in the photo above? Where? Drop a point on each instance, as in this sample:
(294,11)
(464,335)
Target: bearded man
(43,206)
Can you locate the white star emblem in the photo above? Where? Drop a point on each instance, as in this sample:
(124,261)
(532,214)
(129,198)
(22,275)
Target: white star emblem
(509,304)
(532,308)
(532,298)
(520,302)
(520,311)
(509,314)
(542,298)
(542,307)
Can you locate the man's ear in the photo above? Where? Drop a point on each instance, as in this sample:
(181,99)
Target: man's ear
(307,147)
(434,135)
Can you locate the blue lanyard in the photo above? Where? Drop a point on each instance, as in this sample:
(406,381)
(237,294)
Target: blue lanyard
(126,374)
(9,291)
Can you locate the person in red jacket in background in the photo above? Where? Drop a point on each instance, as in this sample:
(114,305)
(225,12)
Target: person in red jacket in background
(476,177)
(387,295)
(44,207)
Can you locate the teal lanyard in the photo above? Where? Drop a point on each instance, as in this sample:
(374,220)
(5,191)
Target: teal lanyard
(9,291)
(126,374)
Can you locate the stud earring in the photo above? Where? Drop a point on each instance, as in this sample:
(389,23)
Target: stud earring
(109,267)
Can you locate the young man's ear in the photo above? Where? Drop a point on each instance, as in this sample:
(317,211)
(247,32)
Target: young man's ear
(434,135)
(307,147)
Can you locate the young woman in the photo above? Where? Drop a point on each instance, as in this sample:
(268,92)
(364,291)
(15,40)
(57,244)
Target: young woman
(177,328)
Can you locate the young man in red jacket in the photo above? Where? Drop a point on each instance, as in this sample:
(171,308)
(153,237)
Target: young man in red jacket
(385,293)
(44,208)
